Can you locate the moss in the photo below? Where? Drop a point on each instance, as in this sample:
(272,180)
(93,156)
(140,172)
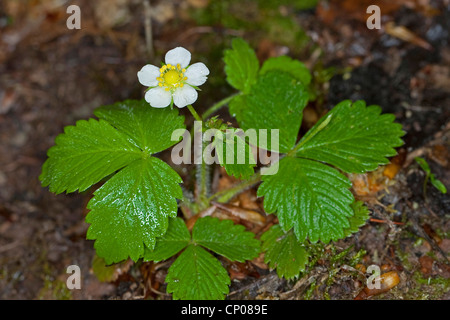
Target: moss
(256,17)
(309,293)
(428,288)
(420,287)
(54,290)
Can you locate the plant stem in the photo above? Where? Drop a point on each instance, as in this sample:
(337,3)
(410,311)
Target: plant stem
(425,182)
(228,194)
(217,106)
(201,167)
(194,113)
(203,183)
(314,131)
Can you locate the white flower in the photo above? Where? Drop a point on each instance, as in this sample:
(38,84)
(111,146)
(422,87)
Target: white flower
(174,81)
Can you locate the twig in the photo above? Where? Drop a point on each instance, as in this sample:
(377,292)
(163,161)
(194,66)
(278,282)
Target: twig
(385,221)
(9,246)
(148,29)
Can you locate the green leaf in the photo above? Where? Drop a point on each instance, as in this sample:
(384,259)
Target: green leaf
(235,155)
(435,182)
(103,272)
(359,218)
(108,273)
(356,140)
(226,238)
(294,68)
(84,154)
(197,275)
(284,252)
(241,65)
(150,128)
(438,184)
(92,150)
(310,197)
(423,164)
(173,241)
(276,101)
(132,208)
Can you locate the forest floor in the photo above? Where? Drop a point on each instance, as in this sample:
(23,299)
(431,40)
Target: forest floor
(51,76)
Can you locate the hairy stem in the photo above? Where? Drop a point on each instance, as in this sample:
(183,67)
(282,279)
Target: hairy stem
(227,195)
(194,113)
(203,182)
(202,169)
(217,106)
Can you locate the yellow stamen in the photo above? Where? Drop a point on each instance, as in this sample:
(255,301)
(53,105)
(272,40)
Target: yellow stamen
(171,77)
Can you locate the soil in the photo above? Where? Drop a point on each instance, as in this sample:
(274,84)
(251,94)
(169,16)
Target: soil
(51,77)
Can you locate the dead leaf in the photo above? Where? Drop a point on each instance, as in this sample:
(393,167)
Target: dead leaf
(407,35)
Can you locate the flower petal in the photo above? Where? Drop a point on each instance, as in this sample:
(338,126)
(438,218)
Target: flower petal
(178,55)
(158,97)
(196,74)
(148,74)
(184,96)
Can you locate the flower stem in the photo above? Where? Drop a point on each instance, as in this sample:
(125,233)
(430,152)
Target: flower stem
(202,170)
(217,106)
(228,194)
(194,113)
(204,182)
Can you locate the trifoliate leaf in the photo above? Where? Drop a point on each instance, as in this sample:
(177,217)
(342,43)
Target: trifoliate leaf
(241,65)
(226,238)
(150,128)
(132,208)
(276,101)
(295,68)
(284,252)
(173,241)
(84,154)
(234,154)
(359,218)
(356,139)
(310,197)
(197,275)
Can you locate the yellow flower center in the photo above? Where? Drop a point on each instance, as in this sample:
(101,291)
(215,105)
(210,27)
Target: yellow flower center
(171,77)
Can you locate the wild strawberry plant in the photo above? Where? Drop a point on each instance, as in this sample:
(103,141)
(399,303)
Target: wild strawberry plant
(135,212)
